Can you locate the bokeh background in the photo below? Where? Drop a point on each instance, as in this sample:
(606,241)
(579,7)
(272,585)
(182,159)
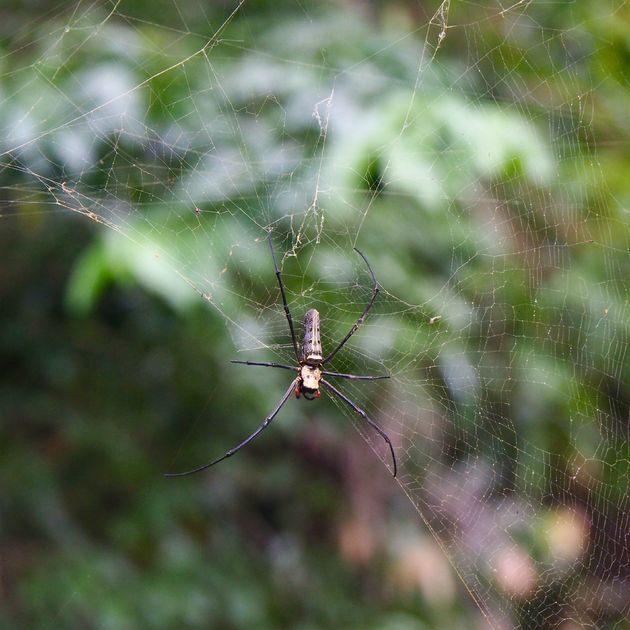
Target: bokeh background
(476,152)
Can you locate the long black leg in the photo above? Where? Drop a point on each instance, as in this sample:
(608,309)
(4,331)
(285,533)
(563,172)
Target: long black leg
(245,442)
(375,290)
(274,365)
(362,413)
(287,312)
(355,377)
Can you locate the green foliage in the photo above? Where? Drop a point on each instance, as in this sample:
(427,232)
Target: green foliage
(117,371)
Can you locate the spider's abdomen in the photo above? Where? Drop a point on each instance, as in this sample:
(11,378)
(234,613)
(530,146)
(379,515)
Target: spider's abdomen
(312,345)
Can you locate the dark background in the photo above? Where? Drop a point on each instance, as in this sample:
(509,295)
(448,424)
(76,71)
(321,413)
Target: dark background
(477,156)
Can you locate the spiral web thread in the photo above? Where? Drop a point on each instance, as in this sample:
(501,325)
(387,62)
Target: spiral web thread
(458,152)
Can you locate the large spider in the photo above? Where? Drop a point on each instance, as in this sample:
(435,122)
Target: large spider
(310,375)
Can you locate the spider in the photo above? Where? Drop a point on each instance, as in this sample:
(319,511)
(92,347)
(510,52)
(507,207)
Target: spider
(310,374)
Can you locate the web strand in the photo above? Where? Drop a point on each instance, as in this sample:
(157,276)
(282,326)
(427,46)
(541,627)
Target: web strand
(460,150)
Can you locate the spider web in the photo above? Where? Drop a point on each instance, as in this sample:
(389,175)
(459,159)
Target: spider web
(458,149)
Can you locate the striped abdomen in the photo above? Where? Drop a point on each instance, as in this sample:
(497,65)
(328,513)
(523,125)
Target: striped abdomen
(312,345)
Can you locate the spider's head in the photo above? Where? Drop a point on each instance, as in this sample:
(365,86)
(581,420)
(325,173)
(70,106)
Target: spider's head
(309,382)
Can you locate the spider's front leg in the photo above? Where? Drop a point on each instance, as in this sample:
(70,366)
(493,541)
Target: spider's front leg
(371,422)
(246,441)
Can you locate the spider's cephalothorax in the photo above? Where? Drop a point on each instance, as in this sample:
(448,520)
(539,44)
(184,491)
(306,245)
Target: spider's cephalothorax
(309,368)
(311,357)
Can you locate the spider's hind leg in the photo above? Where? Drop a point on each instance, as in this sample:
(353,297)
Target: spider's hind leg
(287,312)
(366,310)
